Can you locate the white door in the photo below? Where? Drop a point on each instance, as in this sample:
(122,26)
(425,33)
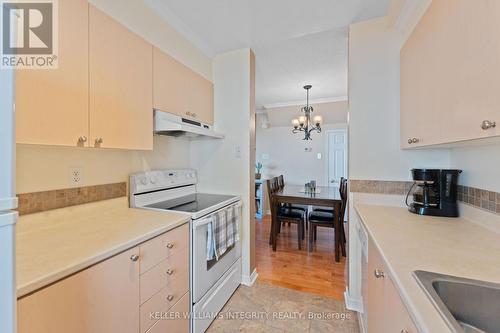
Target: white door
(337,156)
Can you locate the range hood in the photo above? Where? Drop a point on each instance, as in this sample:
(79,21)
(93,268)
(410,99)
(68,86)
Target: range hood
(169,124)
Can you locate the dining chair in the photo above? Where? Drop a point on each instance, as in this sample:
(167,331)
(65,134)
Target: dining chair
(284,214)
(328,209)
(325,218)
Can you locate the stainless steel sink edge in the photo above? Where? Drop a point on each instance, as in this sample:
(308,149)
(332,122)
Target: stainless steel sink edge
(425,280)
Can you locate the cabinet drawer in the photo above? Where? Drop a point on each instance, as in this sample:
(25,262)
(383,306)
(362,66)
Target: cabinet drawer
(163,246)
(157,278)
(169,313)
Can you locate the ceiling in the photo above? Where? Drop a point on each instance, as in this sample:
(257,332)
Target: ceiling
(295,42)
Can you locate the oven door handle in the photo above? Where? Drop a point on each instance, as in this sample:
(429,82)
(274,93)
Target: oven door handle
(202,222)
(206,220)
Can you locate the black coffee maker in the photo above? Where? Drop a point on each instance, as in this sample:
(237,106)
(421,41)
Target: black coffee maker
(434,192)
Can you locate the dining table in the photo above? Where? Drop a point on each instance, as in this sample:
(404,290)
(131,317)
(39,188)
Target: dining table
(323,196)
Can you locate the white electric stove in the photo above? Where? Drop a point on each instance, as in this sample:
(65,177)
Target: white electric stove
(212,281)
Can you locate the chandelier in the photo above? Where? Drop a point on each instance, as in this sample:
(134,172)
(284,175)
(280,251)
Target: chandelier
(304,123)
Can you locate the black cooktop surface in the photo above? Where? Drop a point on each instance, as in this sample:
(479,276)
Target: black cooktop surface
(191,203)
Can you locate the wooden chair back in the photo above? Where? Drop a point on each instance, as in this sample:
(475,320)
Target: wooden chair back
(281,181)
(343,197)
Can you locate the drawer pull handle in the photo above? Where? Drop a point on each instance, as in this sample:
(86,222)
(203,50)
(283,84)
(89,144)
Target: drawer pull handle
(170,298)
(379,273)
(170,245)
(487,124)
(170,271)
(404,331)
(134,257)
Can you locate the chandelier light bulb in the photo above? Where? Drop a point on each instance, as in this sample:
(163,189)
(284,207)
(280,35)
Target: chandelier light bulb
(302,120)
(295,123)
(318,120)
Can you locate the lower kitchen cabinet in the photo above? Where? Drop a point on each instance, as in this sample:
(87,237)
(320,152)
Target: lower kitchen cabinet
(102,298)
(115,296)
(386,310)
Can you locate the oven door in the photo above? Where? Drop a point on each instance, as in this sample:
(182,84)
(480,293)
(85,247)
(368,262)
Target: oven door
(204,274)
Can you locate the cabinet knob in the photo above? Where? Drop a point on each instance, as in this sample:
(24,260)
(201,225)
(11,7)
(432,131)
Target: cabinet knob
(134,257)
(170,245)
(415,140)
(170,298)
(404,331)
(99,141)
(170,271)
(193,115)
(487,124)
(188,113)
(82,139)
(410,141)
(379,273)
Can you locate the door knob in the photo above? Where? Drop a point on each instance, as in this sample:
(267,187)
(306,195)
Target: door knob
(487,124)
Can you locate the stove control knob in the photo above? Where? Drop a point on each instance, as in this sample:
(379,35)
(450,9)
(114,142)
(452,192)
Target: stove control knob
(152,180)
(144,181)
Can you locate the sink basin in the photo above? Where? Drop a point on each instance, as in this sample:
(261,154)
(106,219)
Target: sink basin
(468,306)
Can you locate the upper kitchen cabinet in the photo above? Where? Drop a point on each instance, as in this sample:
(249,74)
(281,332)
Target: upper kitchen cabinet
(52,104)
(179,90)
(450,74)
(121,106)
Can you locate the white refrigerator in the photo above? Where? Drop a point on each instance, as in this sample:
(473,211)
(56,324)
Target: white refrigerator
(8,202)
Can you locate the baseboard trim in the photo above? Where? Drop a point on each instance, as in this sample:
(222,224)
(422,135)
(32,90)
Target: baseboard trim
(351,303)
(249,280)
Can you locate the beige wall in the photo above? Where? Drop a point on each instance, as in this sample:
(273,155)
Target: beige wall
(41,168)
(139,18)
(287,155)
(226,166)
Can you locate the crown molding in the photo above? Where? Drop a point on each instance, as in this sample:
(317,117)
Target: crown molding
(168,16)
(311,101)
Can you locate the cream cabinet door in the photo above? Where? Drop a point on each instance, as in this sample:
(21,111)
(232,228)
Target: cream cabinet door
(450,73)
(202,99)
(397,317)
(170,84)
(52,105)
(375,292)
(102,298)
(179,90)
(121,107)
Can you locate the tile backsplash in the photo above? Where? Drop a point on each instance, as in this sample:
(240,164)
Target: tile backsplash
(479,198)
(46,200)
(379,186)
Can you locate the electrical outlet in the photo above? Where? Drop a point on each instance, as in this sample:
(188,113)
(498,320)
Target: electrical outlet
(75,176)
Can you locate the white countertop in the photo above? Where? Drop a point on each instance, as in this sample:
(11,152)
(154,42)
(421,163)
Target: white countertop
(409,242)
(54,244)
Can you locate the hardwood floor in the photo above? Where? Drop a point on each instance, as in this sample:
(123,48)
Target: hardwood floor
(315,272)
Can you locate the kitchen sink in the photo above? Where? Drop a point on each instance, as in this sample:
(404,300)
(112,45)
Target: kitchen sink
(468,306)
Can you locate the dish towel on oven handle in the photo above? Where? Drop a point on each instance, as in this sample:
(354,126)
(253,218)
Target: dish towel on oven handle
(223,231)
